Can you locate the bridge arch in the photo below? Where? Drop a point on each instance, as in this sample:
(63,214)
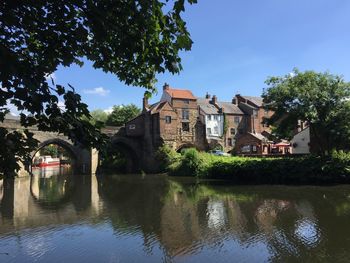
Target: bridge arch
(185,146)
(130,150)
(67,146)
(64,144)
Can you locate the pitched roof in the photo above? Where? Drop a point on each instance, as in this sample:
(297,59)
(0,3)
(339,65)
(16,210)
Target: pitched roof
(207,107)
(157,107)
(259,136)
(180,93)
(230,108)
(258,101)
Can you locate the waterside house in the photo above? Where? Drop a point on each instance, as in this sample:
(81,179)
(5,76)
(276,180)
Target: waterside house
(181,120)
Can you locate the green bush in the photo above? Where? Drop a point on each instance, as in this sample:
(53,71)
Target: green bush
(166,157)
(191,163)
(253,170)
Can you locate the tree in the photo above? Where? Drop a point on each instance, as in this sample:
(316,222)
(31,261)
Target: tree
(98,116)
(133,39)
(122,114)
(51,150)
(320,99)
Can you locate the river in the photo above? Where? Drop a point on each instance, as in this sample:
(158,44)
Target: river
(60,217)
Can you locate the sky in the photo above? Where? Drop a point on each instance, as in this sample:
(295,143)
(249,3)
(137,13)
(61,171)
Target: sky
(237,45)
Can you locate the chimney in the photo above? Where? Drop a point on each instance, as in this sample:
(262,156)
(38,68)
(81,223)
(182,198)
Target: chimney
(166,86)
(234,100)
(145,105)
(207,96)
(214,99)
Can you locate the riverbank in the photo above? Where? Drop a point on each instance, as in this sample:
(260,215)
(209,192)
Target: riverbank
(334,169)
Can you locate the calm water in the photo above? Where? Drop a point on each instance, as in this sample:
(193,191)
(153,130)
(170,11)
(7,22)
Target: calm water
(68,218)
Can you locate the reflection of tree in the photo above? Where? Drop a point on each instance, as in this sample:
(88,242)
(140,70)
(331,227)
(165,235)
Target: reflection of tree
(57,191)
(134,204)
(7,201)
(185,218)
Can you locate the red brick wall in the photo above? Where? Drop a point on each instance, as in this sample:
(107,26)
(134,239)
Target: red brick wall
(248,139)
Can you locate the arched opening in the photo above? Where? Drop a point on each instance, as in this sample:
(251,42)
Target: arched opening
(53,157)
(183,147)
(53,191)
(119,158)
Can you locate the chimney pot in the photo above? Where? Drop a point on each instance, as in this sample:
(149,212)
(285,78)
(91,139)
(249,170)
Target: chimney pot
(166,86)
(207,96)
(214,99)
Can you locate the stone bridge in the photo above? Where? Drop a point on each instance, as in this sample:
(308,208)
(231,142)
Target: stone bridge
(86,161)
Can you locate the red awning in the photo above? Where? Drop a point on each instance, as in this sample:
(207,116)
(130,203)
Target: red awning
(282,144)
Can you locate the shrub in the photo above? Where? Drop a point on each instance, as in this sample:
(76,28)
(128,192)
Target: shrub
(191,163)
(298,170)
(166,157)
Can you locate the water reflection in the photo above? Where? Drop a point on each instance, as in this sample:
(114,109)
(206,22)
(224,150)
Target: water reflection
(154,218)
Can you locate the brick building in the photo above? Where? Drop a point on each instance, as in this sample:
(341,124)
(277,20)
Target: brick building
(181,120)
(172,121)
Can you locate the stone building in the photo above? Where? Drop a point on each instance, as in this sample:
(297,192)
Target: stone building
(181,120)
(172,121)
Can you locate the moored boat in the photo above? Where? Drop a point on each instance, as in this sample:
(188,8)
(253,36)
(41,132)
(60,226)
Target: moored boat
(44,161)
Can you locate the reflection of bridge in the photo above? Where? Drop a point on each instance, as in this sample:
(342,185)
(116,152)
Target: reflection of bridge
(135,149)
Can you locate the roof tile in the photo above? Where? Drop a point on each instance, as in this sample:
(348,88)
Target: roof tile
(180,94)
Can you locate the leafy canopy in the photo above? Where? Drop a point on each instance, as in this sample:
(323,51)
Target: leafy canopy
(134,40)
(122,114)
(319,99)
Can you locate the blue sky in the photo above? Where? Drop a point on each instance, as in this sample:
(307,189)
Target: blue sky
(237,45)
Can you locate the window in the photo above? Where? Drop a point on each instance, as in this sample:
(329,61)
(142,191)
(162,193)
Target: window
(185,126)
(229,142)
(209,131)
(233,131)
(216,117)
(237,119)
(132,127)
(186,101)
(209,117)
(254,149)
(167,119)
(245,149)
(216,130)
(185,115)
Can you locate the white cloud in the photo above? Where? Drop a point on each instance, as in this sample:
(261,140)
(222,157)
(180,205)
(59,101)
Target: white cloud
(101,91)
(108,110)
